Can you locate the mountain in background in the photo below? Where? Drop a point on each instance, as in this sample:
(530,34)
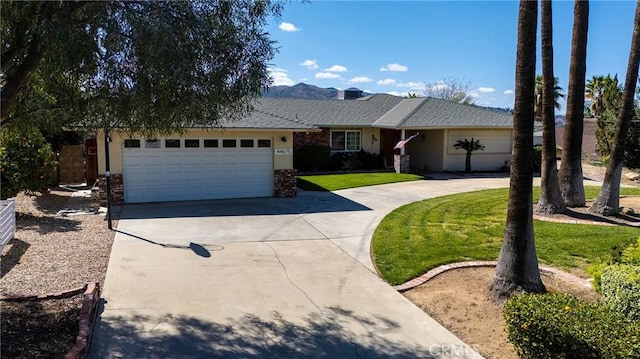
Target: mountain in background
(301,90)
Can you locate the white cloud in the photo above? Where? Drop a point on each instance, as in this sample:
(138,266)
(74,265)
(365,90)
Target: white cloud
(394,68)
(486,90)
(288,27)
(413,85)
(279,77)
(386,82)
(326,75)
(310,64)
(336,68)
(396,93)
(359,80)
(508,92)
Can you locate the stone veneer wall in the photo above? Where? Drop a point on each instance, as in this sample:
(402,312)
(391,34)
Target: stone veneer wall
(311,138)
(285,183)
(71,162)
(117,190)
(401,163)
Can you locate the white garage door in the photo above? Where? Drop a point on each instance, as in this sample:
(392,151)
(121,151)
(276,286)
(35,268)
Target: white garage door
(193,169)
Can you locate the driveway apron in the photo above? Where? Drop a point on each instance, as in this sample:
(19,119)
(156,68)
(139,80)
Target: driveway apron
(266,278)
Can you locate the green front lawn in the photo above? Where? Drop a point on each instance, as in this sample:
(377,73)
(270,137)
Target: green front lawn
(352,180)
(420,236)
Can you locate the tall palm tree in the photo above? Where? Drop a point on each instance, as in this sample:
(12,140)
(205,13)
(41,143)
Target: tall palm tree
(602,91)
(550,200)
(470,146)
(517,268)
(570,174)
(608,201)
(557,94)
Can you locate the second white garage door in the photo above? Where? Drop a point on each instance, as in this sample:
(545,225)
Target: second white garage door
(194,169)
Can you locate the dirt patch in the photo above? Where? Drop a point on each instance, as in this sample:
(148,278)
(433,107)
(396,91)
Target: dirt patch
(458,299)
(583,216)
(39,329)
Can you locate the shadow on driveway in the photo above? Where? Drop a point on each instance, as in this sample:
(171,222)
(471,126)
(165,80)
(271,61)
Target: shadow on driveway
(325,335)
(305,203)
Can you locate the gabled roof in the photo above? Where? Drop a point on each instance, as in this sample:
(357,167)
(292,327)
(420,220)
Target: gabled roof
(267,121)
(436,113)
(330,113)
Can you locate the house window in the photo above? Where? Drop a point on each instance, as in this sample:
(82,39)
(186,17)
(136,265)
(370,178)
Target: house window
(345,141)
(192,143)
(264,143)
(152,143)
(229,143)
(246,143)
(210,143)
(132,143)
(172,143)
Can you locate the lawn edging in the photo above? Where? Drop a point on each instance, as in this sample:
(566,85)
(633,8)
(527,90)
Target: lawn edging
(475,264)
(86,321)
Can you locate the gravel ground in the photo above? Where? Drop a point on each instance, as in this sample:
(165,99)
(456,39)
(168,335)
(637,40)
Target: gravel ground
(51,254)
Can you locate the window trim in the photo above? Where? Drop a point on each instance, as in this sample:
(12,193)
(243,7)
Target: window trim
(359,132)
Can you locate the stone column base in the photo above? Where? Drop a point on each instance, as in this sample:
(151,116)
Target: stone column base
(285,183)
(117,189)
(401,163)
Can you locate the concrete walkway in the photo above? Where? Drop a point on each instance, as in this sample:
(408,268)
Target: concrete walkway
(266,278)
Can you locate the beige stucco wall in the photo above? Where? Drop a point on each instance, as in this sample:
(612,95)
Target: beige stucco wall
(497,149)
(427,154)
(280,162)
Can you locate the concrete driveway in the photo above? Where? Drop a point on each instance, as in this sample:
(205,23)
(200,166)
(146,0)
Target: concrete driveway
(266,278)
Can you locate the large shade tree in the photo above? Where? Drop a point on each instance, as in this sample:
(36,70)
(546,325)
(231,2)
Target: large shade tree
(608,201)
(517,268)
(570,175)
(146,66)
(550,200)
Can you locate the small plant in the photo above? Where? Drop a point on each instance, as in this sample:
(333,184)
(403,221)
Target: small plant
(621,289)
(470,146)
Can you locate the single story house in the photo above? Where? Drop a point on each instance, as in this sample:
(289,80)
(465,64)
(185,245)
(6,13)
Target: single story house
(253,157)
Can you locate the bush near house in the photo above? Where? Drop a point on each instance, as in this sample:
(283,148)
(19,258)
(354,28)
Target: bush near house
(550,326)
(311,157)
(561,326)
(26,161)
(319,158)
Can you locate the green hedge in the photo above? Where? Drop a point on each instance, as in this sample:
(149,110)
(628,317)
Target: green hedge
(621,289)
(560,326)
(626,255)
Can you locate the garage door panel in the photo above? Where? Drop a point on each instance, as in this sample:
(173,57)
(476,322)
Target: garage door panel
(176,174)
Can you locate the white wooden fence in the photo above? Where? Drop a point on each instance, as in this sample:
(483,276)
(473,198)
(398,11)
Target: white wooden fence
(7,221)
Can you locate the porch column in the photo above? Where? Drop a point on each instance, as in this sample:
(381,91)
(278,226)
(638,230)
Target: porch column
(401,161)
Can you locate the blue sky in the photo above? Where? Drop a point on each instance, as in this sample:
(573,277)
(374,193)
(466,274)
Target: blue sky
(399,46)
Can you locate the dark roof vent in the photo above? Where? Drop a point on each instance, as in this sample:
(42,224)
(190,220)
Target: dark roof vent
(351,93)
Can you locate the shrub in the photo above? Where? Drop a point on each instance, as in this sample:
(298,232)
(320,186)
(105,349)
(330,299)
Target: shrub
(26,161)
(621,289)
(311,157)
(338,161)
(561,326)
(370,161)
(627,254)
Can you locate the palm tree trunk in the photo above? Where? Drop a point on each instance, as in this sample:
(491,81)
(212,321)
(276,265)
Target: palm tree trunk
(517,268)
(467,162)
(550,201)
(608,201)
(570,175)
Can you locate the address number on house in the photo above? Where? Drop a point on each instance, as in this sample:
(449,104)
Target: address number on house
(284,151)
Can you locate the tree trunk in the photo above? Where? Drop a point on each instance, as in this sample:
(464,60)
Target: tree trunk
(550,201)
(570,175)
(467,162)
(608,201)
(517,268)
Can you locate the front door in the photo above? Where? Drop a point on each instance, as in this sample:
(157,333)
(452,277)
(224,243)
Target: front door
(388,139)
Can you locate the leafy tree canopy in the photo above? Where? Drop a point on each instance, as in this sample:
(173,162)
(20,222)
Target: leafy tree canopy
(145,66)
